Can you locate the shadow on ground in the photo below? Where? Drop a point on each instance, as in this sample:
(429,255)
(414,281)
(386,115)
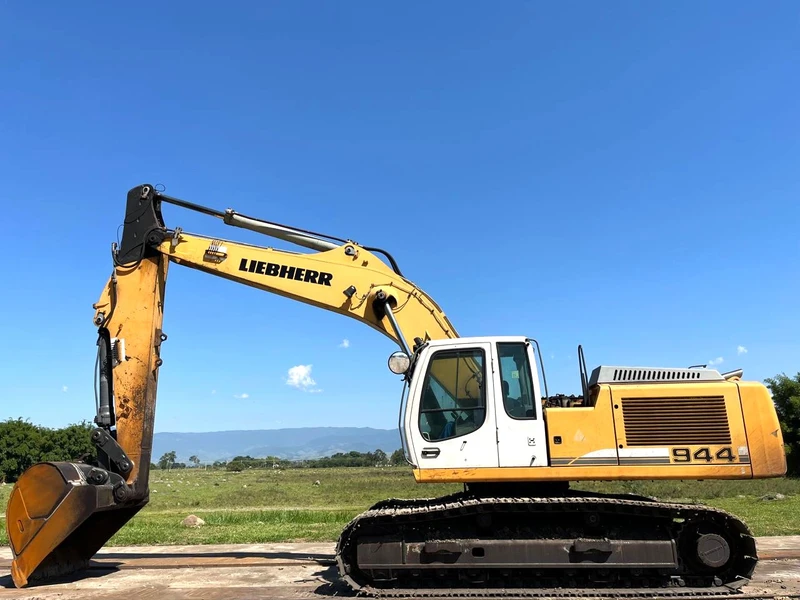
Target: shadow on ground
(200,557)
(107,563)
(90,573)
(333,585)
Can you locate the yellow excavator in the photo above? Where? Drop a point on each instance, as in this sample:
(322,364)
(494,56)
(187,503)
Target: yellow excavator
(473,411)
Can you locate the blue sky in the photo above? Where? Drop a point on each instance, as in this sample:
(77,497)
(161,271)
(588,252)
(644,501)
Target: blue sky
(623,175)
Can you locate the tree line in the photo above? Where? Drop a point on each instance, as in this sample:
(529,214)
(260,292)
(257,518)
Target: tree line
(23,444)
(377,458)
(786,396)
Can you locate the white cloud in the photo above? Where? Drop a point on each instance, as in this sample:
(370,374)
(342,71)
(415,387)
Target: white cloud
(345,343)
(241,396)
(64,388)
(716,361)
(300,377)
(741,350)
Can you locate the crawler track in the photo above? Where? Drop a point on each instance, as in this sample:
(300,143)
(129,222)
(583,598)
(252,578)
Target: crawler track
(577,545)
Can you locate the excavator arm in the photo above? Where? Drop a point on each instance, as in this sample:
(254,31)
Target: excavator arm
(60,514)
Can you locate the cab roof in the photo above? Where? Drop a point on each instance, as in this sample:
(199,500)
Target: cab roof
(492,339)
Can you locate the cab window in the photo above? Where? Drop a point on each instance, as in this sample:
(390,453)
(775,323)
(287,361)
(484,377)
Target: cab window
(453,399)
(515,376)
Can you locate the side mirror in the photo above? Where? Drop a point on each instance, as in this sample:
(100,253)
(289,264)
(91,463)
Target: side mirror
(399,362)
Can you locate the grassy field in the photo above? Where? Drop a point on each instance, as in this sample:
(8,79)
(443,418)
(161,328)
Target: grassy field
(270,506)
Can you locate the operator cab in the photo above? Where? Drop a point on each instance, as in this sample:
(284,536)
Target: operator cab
(474,402)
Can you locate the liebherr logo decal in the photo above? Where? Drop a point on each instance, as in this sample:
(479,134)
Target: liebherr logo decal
(275,270)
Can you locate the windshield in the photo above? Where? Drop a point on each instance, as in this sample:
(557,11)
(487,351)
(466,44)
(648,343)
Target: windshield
(453,401)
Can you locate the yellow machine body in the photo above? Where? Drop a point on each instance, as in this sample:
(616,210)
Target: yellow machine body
(726,430)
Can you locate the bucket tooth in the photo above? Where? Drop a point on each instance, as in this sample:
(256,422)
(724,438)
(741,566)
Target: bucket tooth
(57,519)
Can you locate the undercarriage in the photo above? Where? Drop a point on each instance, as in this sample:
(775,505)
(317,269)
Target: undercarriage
(533,545)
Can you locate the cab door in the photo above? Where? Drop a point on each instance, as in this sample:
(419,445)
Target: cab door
(522,439)
(450,421)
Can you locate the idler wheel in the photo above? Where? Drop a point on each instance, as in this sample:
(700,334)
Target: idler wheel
(713,550)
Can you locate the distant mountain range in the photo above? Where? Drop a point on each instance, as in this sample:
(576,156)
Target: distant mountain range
(299,443)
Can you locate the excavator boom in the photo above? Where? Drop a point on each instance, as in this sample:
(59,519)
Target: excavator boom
(60,514)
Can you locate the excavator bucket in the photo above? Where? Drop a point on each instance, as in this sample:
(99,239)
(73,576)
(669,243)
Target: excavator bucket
(59,515)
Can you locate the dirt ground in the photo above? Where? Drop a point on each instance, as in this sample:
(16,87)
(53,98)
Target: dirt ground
(275,571)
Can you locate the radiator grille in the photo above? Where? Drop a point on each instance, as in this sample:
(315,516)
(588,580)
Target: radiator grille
(675,421)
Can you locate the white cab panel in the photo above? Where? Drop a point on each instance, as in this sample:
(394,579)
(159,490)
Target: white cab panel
(518,408)
(449,419)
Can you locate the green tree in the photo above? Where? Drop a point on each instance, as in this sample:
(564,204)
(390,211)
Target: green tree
(167,460)
(69,443)
(786,395)
(397,458)
(20,447)
(23,444)
(194,460)
(380,457)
